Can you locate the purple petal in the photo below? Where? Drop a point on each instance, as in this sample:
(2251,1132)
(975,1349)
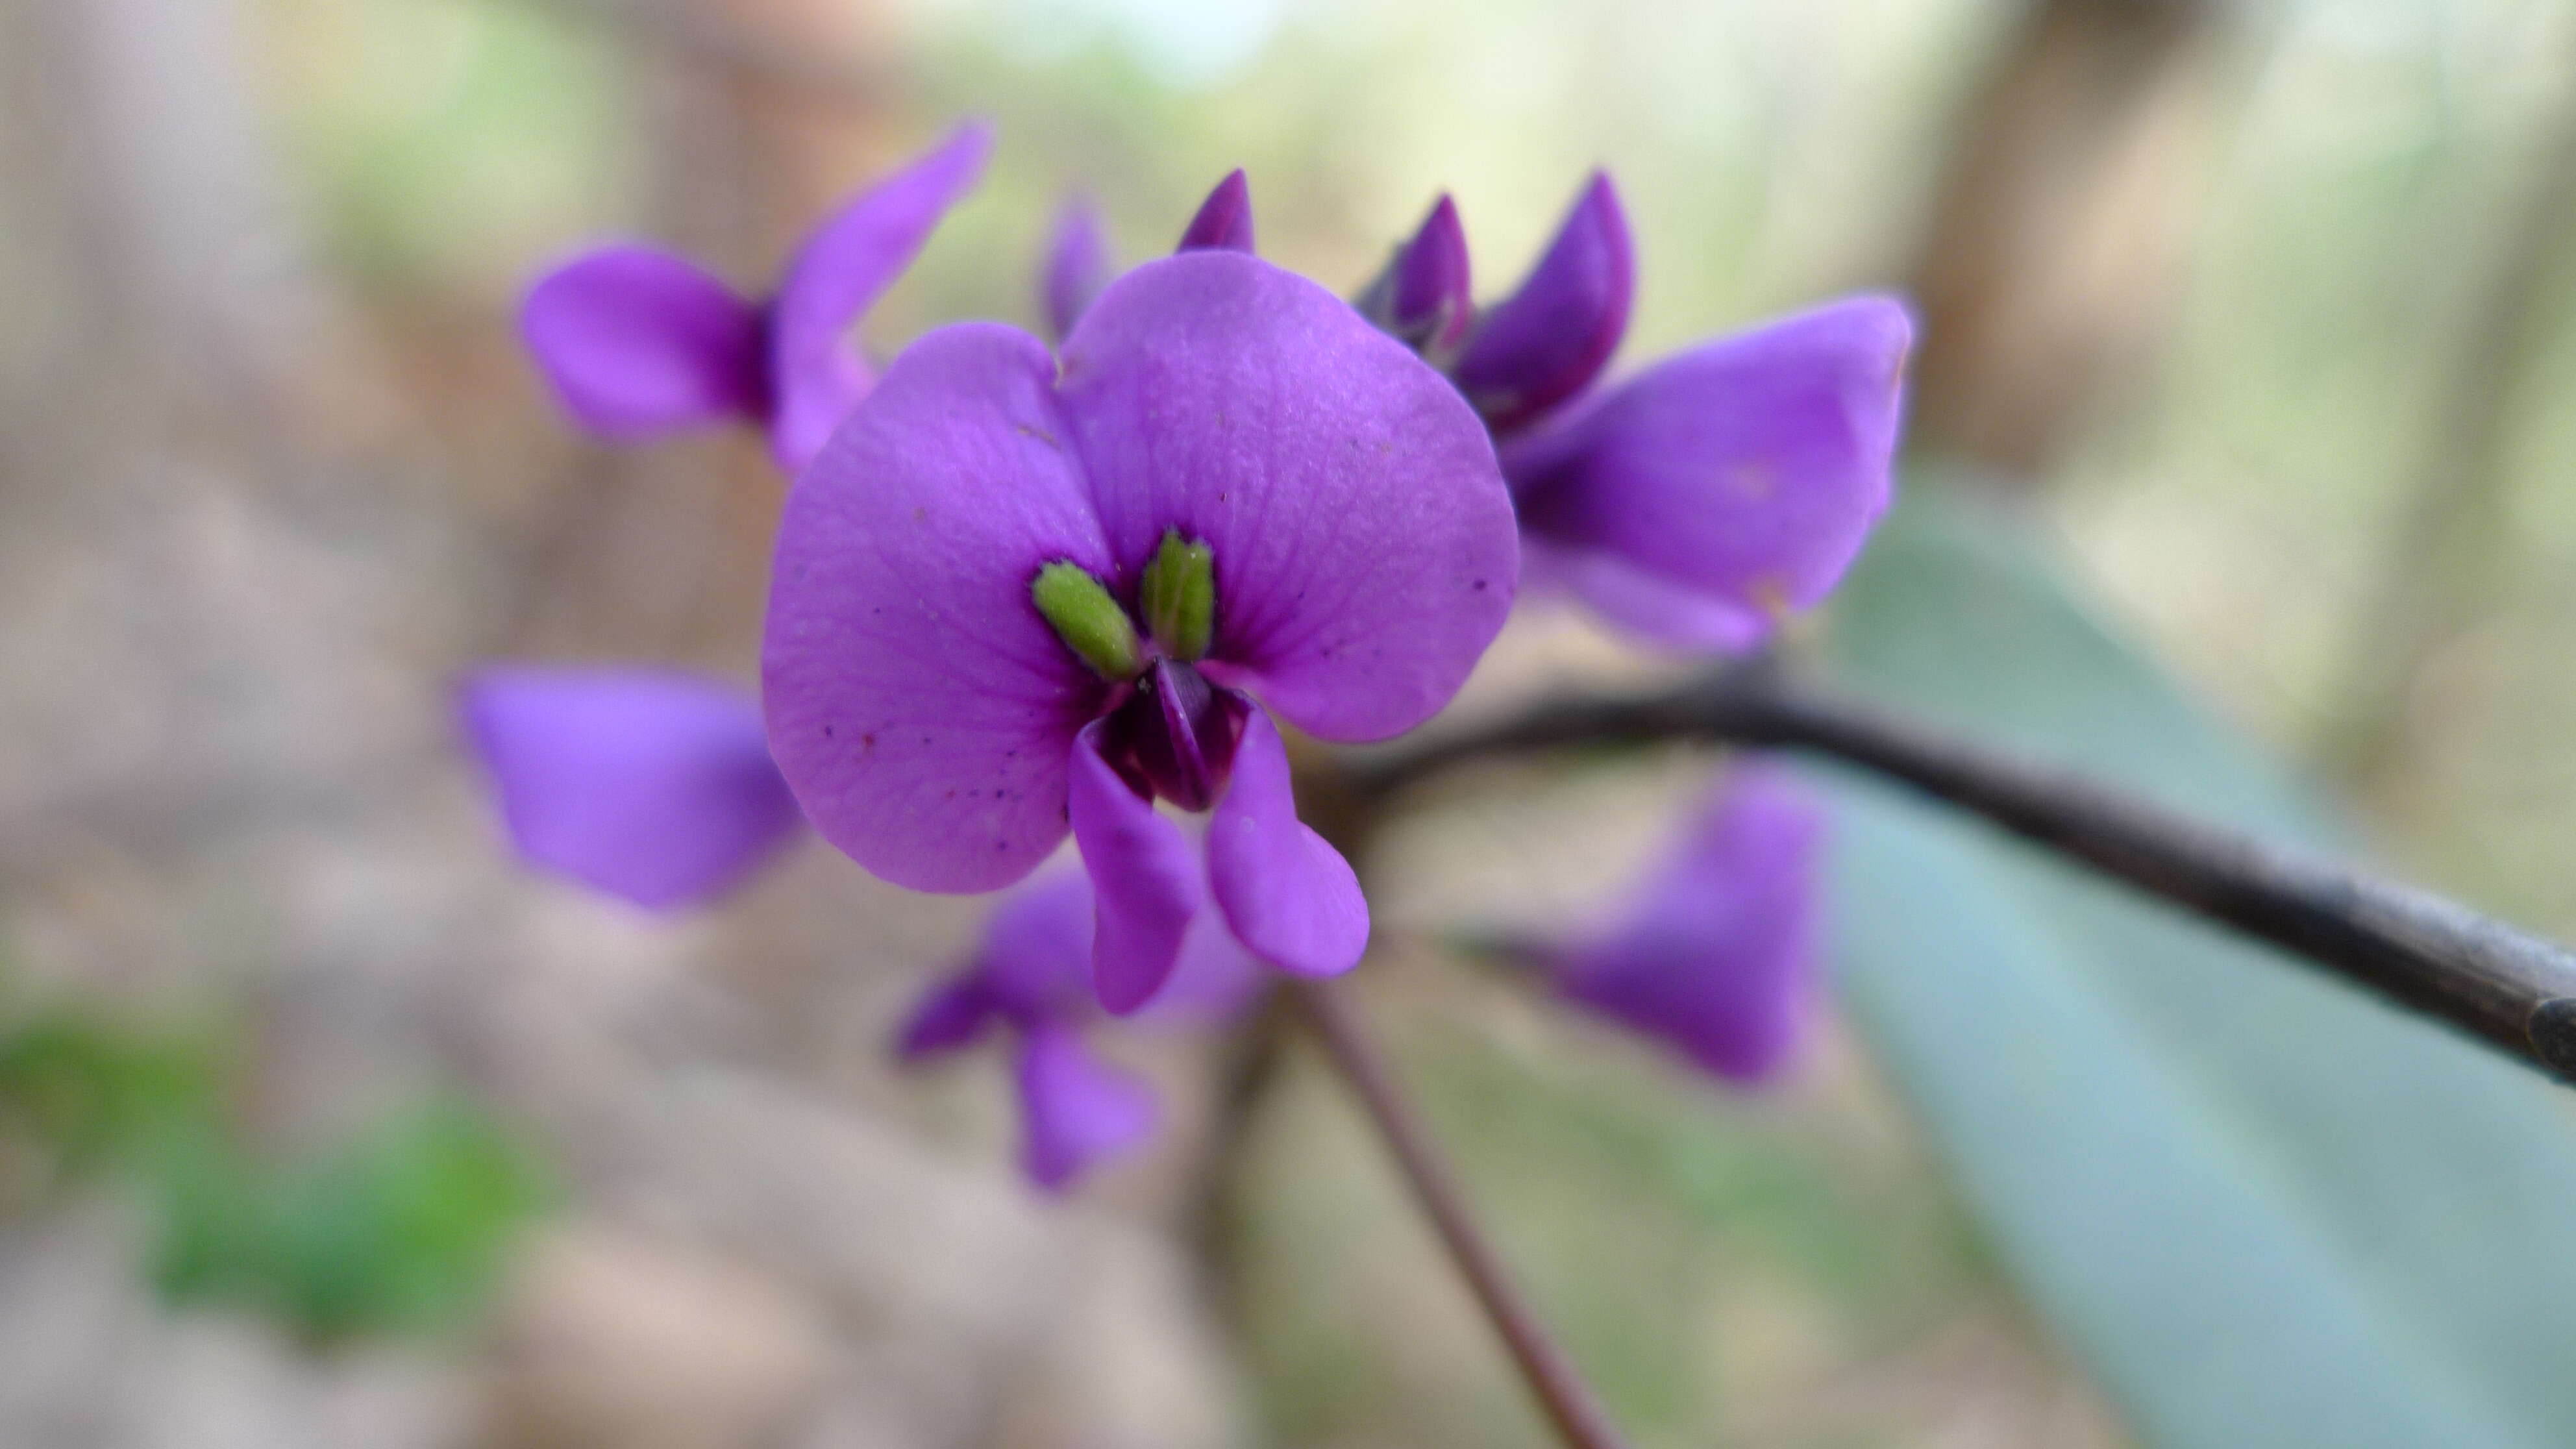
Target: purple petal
(1652,610)
(1426,297)
(1718,955)
(1289,896)
(839,273)
(1214,981)
(1365,550)
(1749,470)
(1146,880)
(949,1016)
(1076,1111)
(1035,959)
(921,707)
(1224,220)
(637,342)
(1553,336)
(652,785)
(1077,264)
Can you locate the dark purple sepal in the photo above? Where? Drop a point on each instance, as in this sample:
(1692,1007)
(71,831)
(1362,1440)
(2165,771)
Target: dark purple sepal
(1550,339)
(1425,297)
(1224,221)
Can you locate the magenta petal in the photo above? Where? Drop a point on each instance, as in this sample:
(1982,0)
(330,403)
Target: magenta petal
(839,273)
(918,703)
(1145,880)
(949,1016)
(1289,896)
(1077,264)
(1076,1111)
(1224,220)
(1718,955)
(1365,548)
(1552,337)
(1748,470)
(652,785)
(637,342)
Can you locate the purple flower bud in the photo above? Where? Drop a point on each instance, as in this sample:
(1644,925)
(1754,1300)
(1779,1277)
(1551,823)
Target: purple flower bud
(1224,220)
(1077,264)
(1424,298)
(1550,339)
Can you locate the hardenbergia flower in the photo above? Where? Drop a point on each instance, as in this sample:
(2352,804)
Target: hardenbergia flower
(639,342)
(1018,594)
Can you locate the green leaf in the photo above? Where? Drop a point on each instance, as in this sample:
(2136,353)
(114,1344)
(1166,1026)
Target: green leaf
(2266,1208)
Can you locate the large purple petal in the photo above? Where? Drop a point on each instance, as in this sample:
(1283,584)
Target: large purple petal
(1290,897)
(1749,470)
(1552,337)
(652,785)
(1718,955)
(638,342)
(1076,1111)
(1077,264)
(1365,548)
(839,273)
(1146,881)
(1224,220)
(919,704)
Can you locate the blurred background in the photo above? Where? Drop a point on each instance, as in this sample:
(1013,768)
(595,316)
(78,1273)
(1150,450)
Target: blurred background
(322,1125)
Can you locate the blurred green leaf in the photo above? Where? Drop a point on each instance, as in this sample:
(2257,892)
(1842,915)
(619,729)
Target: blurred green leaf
(2266,1208)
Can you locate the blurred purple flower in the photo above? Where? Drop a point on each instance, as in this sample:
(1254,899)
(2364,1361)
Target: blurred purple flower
(638,342)
(1014,594)
(1717,956)
(1031,975)
(1425,298)
(651,785)
(1078,265)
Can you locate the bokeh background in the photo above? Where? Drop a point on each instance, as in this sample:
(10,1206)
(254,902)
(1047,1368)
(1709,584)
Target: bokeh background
(321,1125)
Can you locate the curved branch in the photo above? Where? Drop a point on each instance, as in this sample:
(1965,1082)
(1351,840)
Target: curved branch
(2516,991)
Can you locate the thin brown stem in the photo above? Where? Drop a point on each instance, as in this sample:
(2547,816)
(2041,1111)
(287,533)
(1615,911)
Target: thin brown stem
(1561,1392)
(2437,957)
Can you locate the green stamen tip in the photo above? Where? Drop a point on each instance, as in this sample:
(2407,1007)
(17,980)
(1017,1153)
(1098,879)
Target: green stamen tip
(1087,619)
(1178,596)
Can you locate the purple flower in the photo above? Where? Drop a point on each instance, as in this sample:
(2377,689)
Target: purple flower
(651,785)
(1717,956)
(1699,501)
(1031,975)
(1077,265)
(638,342)
(1017,593)
(1425,297)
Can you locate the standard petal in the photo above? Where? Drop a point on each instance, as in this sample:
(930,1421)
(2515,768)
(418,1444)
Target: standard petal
(652,785)
(1547,341)
(919,704)
(1717,957)
(1365,549)
(1077,264)
(1749,470)
(1224,220)
(1076,1111)
(1289,896)
(1145,880)
(839,273)
(638,342)
(1652,610)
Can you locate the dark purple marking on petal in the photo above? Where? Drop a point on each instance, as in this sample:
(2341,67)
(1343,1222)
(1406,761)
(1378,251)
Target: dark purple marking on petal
(1077,264)
(652,785)
(637,342)
(1550,339)
(1365,549)
(1749,470)
(1076,1111)
(1224,220)
(1425,298)
(919,704)
(1289,896)
(1146,880)
(1718,955)
(843,267)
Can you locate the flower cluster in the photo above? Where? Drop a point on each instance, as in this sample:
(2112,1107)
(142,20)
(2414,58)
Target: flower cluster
(1025,592)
